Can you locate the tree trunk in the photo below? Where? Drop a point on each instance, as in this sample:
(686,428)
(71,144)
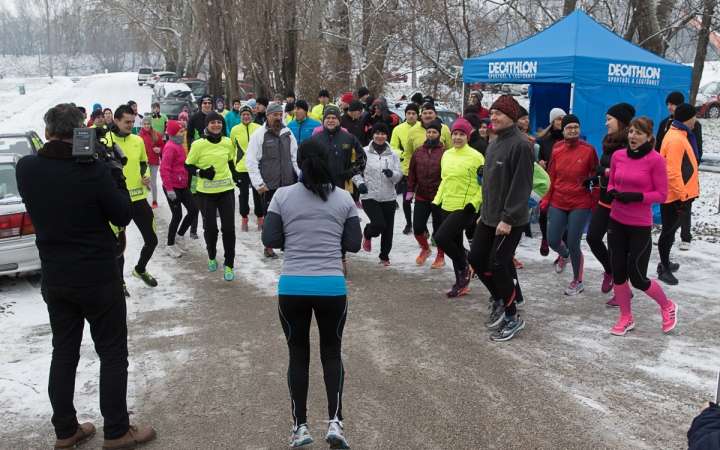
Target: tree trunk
(703,40)
(647,26)
(569,6)
(49,43)
(288,70)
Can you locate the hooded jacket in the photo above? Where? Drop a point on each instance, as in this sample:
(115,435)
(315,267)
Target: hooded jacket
(271,158)
(681,166)
(380,187)
(240,136)
(172,167)
(232,119)
(664,126)
(459,185)
(151,141)
(303,130)
(344,153)
(569,167)
(424,173)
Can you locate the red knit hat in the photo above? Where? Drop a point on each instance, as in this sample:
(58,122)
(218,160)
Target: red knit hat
(173,127)
(347,97)
(464,126)
(507,105)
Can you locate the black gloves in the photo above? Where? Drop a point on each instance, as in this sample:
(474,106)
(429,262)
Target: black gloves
(587,181)
(599,171)
(362,188)
(627,197)
(387,172)
(480,171)
(612,193)
(681,206)
(208,173)
(347,174)
(469,208)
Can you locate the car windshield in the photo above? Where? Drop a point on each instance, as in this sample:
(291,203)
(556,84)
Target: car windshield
(172,108)
(8,183)
(147,71)
(711,88)
(178,94)
(18,144)
(447,117)
(198,91)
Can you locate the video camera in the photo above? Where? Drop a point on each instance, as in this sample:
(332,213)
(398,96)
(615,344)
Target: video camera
(89,145)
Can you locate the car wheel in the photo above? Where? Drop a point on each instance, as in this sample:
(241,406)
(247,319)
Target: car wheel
(713,112)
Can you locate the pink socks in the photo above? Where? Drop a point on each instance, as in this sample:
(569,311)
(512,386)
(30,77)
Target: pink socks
(656,293)
(622,295)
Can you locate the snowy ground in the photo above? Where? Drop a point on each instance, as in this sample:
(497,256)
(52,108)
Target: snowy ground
(642,389)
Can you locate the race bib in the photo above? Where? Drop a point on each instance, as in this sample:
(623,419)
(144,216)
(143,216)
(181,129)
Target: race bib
(136,192)
(216,184)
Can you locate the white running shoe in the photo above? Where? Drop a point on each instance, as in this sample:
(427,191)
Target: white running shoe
(300,436)
(526,241)
(684,246)
(181,243)
(336,435)
(170,250)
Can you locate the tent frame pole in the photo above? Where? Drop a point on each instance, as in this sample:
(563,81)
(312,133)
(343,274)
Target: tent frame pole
(572,97)
(462,111)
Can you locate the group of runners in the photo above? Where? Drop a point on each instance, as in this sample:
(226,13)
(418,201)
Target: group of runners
(310,170)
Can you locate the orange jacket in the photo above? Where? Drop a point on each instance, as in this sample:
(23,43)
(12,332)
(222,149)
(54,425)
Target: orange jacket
(682,166)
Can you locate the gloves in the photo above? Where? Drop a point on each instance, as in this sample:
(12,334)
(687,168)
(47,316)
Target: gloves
(599,171)
(587,182)
(171,195)
(408,196)
(347,174)
(388,172)
(627,197)
(469,208)
(612,193)
(208,173)
(680,205)
(362,188)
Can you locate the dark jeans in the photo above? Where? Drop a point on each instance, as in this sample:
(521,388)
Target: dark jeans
(595,234)
(491,257)
(210,204)
(103,306)
(630,248)
(686,224)
(423,211)
(183,198)
(296,313)
(671,220)
(244,198)
(145,220)
(382,222)
(449,237)
(406,204)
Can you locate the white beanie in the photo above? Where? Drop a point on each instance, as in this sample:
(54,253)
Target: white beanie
(555,113)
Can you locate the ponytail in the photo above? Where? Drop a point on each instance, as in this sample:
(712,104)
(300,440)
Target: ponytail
(312,160)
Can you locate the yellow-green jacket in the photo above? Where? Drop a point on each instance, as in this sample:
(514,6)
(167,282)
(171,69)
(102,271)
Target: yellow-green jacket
(417,137)
(240,135)
(459,185)
(318,109)
(399,136)
(204,154)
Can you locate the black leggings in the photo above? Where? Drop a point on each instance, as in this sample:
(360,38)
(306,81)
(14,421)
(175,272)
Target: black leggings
(491,257)
(423,211)
(543,224)
(296,316)
(244,198)
(210,204)
(406,204)
(183,198)
(686,224)
(470,229)
(671,220)
(194,224)
(595,234)
(449,237)
(630,248)
(145,220)
(382,222)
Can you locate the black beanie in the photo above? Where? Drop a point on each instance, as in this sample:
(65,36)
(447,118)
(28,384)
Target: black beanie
(412,107)
(382,128)
(417,98)
(356,105)
(428,99)
(291,94)
(522,112)
(289,107)
(623,112)
(684,112)
(212,115)
(570,118)
(302,104)
(324,93)
(429,107)
(435,125)
(675,98)
(368,103)
(263,101)
(363,91)
(470,109)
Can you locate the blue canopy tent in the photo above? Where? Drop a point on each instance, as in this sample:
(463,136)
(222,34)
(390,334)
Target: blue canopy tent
(584,68)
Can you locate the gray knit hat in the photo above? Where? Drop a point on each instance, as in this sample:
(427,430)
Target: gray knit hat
(273,108)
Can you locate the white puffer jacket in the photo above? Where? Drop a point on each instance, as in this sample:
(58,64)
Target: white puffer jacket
(380,187)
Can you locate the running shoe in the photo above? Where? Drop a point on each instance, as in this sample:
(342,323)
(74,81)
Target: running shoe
(407,229)
(260,223)
(269,253)
(526,241)
(669,317)
(625,324)
(464,277)
(520,303)
(607,283)
(561,263)
(155,205)
(193,235)
(146,278)
(508,329)
(674,267)
(366,243)
(170,250)
(344,267)
(181,243)
(575,288)
(358,205)
(424,255)
(439,262)
(125,291)
(684,246)
(613,303)
(544,248)
(385,262)
(300,436)
(212,265)
(336,435)
(229,274)
(244,227)
(518,264)
(497,314)
(667,276)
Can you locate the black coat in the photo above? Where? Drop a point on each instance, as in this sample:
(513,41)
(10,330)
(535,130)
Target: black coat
(343,148)
(477,142)
(547,143)
(356,127)
(71,205)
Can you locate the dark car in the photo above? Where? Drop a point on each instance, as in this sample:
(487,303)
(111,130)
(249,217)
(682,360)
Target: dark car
(27,143)
(172,107)
(396,77)
(199,87)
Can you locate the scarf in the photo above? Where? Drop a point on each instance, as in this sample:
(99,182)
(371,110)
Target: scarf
(379,148)
(640,151)
(615,141)
(690,136)
(212,137)
(179,140)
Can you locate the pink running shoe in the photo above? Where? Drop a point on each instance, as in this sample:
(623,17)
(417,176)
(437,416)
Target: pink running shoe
(562,262)
(358,205)
(613,303)
(669,317)
(625,324)
(366,244)
(607,283)
(385,262)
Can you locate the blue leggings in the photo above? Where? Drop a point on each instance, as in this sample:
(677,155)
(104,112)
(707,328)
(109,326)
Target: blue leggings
(575,221)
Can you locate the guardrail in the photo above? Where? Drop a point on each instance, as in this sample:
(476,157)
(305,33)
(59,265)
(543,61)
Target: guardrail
(710,163)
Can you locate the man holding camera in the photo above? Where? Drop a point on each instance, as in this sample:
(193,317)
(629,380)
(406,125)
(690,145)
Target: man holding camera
(70,204)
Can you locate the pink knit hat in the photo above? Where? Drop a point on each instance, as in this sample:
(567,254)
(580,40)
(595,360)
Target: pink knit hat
(464,126)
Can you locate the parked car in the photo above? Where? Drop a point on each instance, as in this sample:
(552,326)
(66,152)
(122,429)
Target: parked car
(707,101)
(18,252)
(445,115)
(179,90)
(143,74)
(199,87)
(396,77)
(494,88)
(515,89)
(172,107)
(155,76)
(27,143)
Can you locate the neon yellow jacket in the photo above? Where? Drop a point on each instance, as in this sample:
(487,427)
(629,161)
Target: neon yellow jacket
(399,136)
(240,135)
(459,185)
(204,154)
(134,148)
(318,109)
(417,137)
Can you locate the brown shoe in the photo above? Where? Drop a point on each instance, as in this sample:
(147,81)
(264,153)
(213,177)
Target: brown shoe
(135,437)
(83,433)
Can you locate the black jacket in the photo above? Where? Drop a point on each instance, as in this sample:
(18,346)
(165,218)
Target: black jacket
(71,205)
(547,143)
(665,126)
(260,118)
(356,127)
(704,433)
(197,123)
(478,143)
(344,153)
(610,144)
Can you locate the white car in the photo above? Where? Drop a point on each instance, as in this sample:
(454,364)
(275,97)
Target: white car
(18,252)
(171,90)
(153,78)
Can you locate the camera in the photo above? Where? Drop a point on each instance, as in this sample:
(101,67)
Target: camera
(89,144)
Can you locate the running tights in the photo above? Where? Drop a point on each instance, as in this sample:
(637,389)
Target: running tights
(244,197)
(153,181)
(183,198)
(575,221)
(145,220)
(210,204)
(595,235)
(671,220)
(449,237)
(382,223)
(406,204)
(296,316)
